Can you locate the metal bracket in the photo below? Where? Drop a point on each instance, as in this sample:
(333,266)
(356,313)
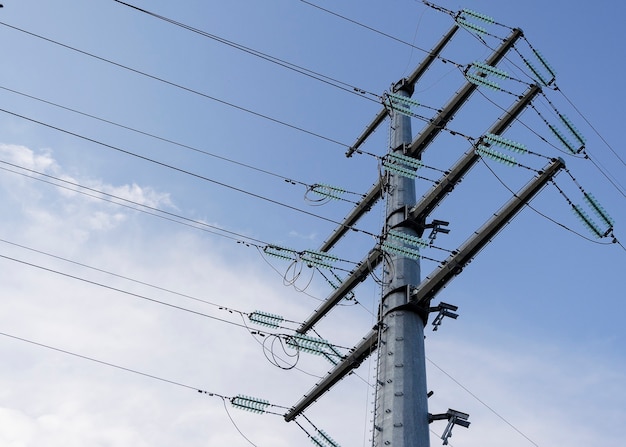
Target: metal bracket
(454,417)
(445,310)
(436,226)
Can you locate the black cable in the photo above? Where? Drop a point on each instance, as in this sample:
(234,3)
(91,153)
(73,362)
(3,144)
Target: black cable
(157,137)
(302,428)
(282,275)
(241,313)
(183,171)
(286,179)
(153,286)
(234,424)
(192,223)
(603,170)
(80,264)
(143,374)
(179,86)
(389,36)
(290,66)
(115,289)
(586,154)
(240,239)
(273,361)
(112,365)
(275,357)
(533,131)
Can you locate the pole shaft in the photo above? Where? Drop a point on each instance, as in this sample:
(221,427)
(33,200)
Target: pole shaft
(401,402)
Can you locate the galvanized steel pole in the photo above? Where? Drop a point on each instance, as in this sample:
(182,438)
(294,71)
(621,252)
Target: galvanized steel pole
(401,415)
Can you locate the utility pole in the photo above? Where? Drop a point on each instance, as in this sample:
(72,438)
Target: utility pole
(401,411)
(402,416)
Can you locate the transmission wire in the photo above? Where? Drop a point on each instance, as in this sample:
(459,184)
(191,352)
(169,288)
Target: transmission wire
(160,138)
(143,297)
(389,36)
(136,281)
(240,239)
(115,289)
(112,365)
(235,425)
(183,171)
(298,69)
(179,86)
(192,222)
(140,373)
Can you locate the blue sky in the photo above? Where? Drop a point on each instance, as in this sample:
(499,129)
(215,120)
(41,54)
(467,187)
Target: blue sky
(537,355)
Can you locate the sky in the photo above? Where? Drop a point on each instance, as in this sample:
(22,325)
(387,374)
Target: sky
(144,166)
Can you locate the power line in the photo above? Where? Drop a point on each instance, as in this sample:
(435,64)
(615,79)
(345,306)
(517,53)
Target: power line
(266,335)
(192,223)
(181,87)
(196,224)
(127,278)
(153,377)
(137,372)
(153,300)
(193,91)
(160,213)
(151,135)
(112,365)
(607,175)
(183,171)
(286,179)
(143,283)
(125,292)
(232,421)
(618,187)
(221,307)
(389,36)
(298,69)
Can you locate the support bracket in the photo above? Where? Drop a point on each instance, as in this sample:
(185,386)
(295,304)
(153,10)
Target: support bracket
(454,417)
(445,310)
(436,227)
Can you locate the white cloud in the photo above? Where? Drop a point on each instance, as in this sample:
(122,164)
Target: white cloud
(20,155)
(16,429)
(63,211)
(306,237)
(135,193)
